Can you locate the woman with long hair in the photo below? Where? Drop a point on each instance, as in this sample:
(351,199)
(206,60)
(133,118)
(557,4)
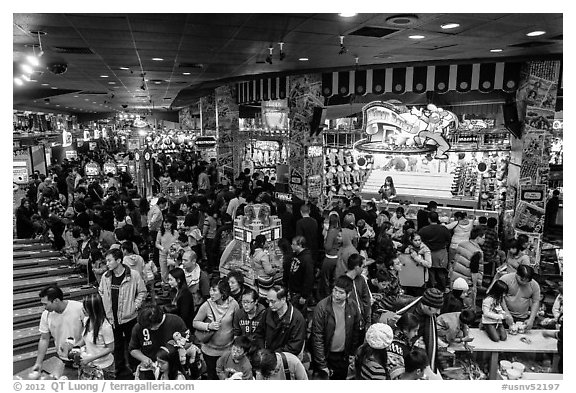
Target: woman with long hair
(515,257)
(183,302)
(350,239)
(133,213)
(495,312)
(24,225)
(169,365)
(332,244)
(98,338)
(165,238)
(388,191)
(372,358)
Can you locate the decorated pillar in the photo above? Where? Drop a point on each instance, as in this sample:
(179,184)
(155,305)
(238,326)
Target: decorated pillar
(305,158)
(227,115)
(208,114)
(527,187)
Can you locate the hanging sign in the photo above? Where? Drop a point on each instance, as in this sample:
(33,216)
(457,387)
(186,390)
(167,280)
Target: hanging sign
(205,142)
(92,146)
(295,177)
(133,143)
(66,138)
(71,154)
(535,194)
(86,135)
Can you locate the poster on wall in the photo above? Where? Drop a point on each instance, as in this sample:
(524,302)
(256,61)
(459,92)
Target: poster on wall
(534,194)
(314,186)
(533,247)
(20,172)
(529,218)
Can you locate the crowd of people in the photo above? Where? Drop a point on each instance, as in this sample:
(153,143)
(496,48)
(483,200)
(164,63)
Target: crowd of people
(163,311)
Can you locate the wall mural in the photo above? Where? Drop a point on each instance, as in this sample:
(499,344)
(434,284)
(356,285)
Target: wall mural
(398,129)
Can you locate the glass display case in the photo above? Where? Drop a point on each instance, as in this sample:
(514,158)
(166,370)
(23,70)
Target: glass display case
(256,221)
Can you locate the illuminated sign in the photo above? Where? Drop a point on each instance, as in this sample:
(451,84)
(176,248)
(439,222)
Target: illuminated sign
(205,142)
(284,197)
(314,151)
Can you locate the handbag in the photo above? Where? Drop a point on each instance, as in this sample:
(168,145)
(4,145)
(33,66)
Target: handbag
(205,336)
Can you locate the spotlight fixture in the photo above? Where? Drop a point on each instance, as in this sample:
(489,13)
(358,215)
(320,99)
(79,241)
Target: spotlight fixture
(343,49)
(18,81)
(282,54)
(269,57)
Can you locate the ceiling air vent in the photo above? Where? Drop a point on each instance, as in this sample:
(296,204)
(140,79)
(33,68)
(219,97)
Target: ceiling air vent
(530,44)
(72,50)
(402,20)
(369,31)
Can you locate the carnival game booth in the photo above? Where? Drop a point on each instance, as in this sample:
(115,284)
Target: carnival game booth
(432,154)
(256,221)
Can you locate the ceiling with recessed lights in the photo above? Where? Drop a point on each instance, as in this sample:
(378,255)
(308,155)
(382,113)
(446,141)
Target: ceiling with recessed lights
(159,62)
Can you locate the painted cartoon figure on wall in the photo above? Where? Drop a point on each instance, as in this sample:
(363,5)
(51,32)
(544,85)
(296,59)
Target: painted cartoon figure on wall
(399,129)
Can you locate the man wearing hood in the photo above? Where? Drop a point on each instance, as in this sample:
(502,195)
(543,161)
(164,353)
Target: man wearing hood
(301,275)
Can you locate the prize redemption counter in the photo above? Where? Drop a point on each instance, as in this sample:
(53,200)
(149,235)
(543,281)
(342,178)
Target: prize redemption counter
(236,256)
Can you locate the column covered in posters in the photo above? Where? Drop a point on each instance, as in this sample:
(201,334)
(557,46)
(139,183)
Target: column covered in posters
(306,167)
(228,128)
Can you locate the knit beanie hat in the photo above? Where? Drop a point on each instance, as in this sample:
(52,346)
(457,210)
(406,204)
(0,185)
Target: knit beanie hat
(433,297)
(379,336)
(460,284)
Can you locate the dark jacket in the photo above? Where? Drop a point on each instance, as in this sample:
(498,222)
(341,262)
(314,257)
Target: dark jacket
(308,227)
(359,213)
(324,325)
(242,325)
(422,218)
(282,335)
(24,225)
(361,294)
(301,276)
(185,307)
(435,236)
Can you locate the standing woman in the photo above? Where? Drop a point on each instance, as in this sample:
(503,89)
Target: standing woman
(183,303)
(332,248)
(216,315)
(350,239)
(165,238)
(418,251)
(133,213)
(388,191)
(98,338)
(263,269)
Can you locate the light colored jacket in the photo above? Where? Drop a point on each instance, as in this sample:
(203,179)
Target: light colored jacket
(130,297)
(154,218)
(462,258)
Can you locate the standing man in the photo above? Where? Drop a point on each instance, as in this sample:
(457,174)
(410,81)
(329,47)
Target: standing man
(469,261)
(235,202)
(60,320)
(356,209)
(153,330)
(335,331)
(155,219)
(308,227)
(360,292)
(422,216)
(283,328)
(523,297)
(437,237)
(301,275)
(123,290)
(204,180)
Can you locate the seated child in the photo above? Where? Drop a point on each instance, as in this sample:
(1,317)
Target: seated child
(453,327)
(416,362)
(235,360)
(495,312)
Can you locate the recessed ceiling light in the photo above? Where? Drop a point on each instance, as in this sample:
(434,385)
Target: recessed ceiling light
(45,84)
(536,33)
(111,83)
(303,59)
(75,96)
(85,99)
(157,82)
(93,102)
(347,14)
(54,88)
(450,26)
(103,76)
(32,80)
(185,73)
(416,37)
(495,50)
(124,68)
(57,104)
(157,59)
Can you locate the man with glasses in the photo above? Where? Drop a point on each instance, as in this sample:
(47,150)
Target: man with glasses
(523,297)
(249,316)
(283,328)
(335,331)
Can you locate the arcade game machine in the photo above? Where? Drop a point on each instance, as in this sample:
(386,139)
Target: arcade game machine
(92,172)
(108,167)
(257,220)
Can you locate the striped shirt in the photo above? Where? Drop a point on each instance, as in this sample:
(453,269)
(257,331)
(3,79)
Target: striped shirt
(372,370)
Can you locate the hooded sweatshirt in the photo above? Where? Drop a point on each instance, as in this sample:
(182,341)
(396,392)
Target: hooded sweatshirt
(135,262)
(347,249)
